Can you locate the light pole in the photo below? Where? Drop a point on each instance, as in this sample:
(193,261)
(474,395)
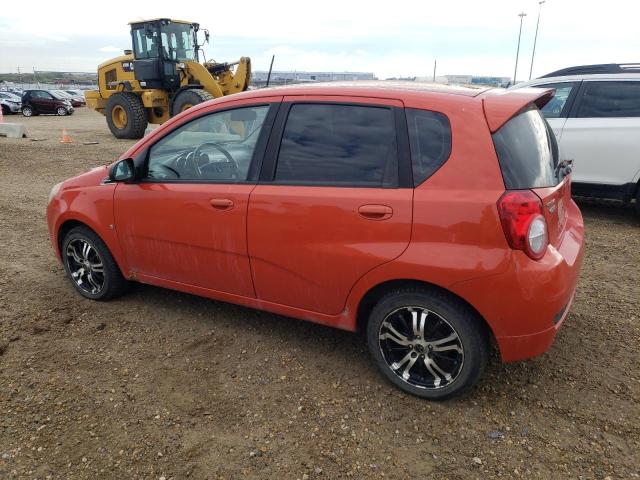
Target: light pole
(521,15)
(535,39)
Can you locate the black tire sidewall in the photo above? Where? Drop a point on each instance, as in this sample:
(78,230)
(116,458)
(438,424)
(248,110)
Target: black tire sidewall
(466,324)
(136,115)
(191,96)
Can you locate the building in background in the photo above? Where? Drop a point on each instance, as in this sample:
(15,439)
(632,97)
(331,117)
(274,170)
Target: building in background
(259,78)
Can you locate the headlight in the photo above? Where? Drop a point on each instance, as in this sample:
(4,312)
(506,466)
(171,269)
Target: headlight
(54,191)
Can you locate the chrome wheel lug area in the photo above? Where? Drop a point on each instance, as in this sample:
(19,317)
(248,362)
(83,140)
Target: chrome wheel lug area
(431,364)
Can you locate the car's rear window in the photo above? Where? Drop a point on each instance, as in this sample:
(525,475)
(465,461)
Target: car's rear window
(527,151)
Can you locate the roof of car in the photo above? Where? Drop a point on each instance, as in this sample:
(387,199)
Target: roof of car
(371,87)
(578,78)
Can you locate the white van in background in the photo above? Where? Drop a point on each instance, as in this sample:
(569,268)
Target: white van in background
(595,115)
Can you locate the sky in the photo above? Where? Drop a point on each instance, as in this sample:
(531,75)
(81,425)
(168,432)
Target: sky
(390,39)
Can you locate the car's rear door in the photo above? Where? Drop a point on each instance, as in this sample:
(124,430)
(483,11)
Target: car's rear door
(334,201)
(602,133)
(557,109)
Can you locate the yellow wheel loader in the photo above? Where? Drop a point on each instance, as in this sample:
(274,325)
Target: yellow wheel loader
(161,77)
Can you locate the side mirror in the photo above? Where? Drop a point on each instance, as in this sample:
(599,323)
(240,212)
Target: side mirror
(123,171)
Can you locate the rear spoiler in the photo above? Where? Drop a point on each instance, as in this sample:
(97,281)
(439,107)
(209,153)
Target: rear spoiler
(501,105)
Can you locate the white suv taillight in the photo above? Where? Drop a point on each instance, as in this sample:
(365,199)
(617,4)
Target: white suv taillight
(523,222)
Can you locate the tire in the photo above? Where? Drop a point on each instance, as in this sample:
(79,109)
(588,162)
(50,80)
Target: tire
(638,201)
(434,368)
(189,98)
(5,110)
(61,111)
(130,115)
(100,278)
(27,111)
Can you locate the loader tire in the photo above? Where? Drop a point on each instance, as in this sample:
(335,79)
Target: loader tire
(188,98)
(126,115)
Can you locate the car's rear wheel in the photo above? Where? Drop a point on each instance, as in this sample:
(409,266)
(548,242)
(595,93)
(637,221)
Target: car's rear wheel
(427,343)
(90,266)
(27,111)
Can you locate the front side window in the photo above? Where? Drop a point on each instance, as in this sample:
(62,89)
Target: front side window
(217,147)
(341,145)
(430,140)
(555,107)
(609,99)
(527,151)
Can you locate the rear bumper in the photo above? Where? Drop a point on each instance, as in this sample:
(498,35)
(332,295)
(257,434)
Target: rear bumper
(526,305)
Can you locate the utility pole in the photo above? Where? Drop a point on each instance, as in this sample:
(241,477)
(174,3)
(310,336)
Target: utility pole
(435,62)
(535,39)
(521,15)
(270,67)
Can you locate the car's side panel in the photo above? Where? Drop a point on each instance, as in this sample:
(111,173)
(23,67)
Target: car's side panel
(604,150)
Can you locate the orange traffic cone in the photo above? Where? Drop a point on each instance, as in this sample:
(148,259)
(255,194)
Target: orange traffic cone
(66,138)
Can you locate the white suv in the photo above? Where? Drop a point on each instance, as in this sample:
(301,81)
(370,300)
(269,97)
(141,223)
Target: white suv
(595,115)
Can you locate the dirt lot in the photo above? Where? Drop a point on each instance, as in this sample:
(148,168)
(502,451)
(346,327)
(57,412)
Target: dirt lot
(160,384)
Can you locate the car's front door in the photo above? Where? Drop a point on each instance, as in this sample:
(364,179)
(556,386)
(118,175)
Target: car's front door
(41,101)
(332,203)
(186,220)
(602,133)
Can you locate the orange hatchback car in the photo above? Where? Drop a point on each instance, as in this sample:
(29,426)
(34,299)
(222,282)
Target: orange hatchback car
(433,218)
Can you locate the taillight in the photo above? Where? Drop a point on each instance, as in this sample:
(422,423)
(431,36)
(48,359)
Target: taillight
(523,222)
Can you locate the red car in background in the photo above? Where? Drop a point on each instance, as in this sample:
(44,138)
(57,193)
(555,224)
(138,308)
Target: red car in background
(433,218)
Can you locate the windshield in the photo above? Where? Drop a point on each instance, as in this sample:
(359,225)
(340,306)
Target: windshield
(59,94)
(527,151)
(178,41)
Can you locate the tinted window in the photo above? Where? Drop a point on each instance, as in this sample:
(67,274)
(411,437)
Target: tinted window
(217,147)
(338,145)
(145,43)
(430,139)
(527,151)
(554,108)
(610,99)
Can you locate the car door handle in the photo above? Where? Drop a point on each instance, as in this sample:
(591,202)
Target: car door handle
(375,212)
(221,203)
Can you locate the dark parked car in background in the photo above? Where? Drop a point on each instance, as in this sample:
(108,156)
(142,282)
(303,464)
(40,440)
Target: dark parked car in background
(35,102)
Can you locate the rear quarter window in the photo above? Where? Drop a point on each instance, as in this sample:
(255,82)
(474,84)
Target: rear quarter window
(527,151)
(430,141)
(609,99)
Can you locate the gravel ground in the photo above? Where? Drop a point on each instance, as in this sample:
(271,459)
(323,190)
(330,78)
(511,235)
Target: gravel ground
(159,384)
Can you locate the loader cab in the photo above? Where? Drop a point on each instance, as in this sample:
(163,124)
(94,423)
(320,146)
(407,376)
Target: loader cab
(158,46)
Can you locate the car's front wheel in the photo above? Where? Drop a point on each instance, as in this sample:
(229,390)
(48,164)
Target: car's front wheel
(90,266)
(427,343)
(61,111)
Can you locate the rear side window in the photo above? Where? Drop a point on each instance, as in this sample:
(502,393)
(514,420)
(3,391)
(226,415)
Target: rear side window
(430,140)
(527,151)
(555,107)
(342,145)
(609,99)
